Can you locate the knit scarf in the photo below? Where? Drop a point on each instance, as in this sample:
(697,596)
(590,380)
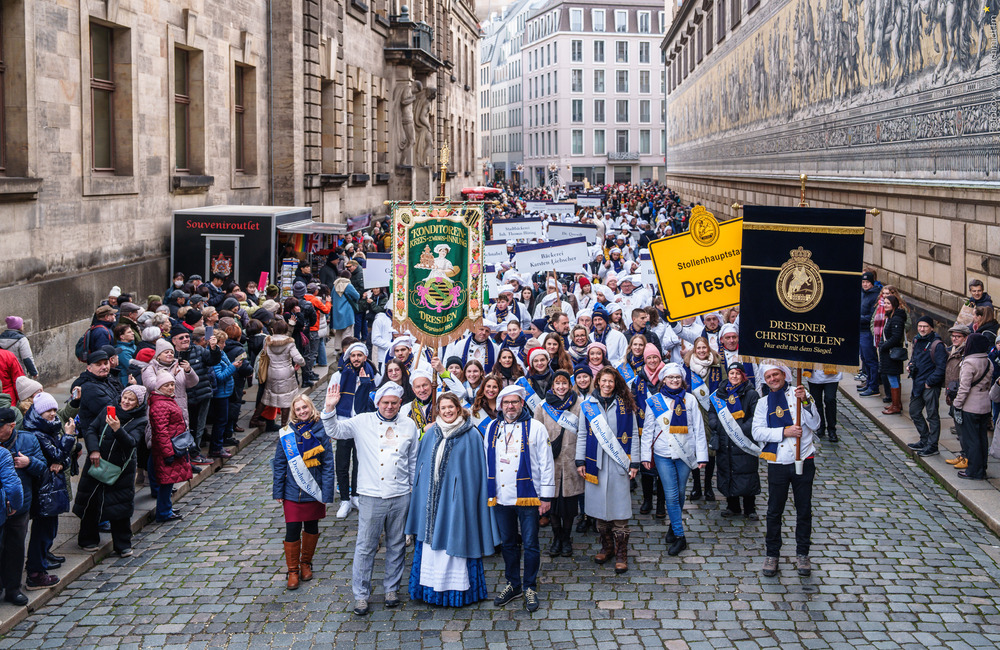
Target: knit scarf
(652,373)
(440,456)
(350,386)
(636,362)
(878,322)
(711,374)
(594,369)
(526,495)
(309,446)
(778,415)
(577,353)
(491,353)
(622,430)
(678,416)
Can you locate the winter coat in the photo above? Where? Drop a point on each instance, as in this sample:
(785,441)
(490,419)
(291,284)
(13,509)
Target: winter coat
(951,371)
(26,443)
(281,386)
(126,352)
(166,422)
(96,395)
(342,311)
(924,369)
(975,369)
(328,274)
(16,342)
(893,336)
(201,361)
(11,492)
(10,370)
(233,350)
(182,381)
(736,471)
(224,371)
(568,482)
(376,306)
(284,486)
(116,501)
(56,448)
(869,301)
(358,279)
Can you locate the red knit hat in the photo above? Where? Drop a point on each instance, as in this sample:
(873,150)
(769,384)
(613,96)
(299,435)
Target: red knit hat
(584,282)
(145,355)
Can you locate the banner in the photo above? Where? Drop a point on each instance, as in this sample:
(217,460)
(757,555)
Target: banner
(589,200)
(559,231)
(495,253)
(800,299)
(377,270)
(517,229)
(560,209)
(646,269)
(565,255)
(437,270)
(699,270)
(534,206)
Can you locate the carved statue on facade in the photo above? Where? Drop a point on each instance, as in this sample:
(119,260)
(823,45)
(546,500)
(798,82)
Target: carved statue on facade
(405,133)
(423,116)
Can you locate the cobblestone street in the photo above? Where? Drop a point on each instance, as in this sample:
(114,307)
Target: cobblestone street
(898,562)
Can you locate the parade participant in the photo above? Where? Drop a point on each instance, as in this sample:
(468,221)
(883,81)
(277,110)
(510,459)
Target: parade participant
(505,306)
(560,415)
(823,382)
(474,375)
(356,380)
(520,487)
(477,345)
(647,382)
(634,359)
(604,460)
(584,293)
(784,440)
(395,372)
(616,319)
(731,423)
(584,319)
(558,358)
(926,368)
(674,443)
(537,327)
(632,297)
(729,351)
(640,325)
(116,440)
(485,408)
(597,358)
(387,454)
(421,409)
(303,483)
(452,377)
(453,528)
(381,330)
(169,464)
(539,377)
(514,338)
(579,340)
(29,464)
(972,405)
(507,367)
(613,340)
(703,374)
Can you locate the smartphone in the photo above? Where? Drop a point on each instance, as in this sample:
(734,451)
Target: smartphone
(111,412)
(184,355)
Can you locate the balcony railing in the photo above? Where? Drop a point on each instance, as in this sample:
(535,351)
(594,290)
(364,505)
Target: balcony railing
(623,155)
(411,42)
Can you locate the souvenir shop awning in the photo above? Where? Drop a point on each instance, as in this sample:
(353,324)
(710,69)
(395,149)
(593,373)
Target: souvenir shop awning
(310,227)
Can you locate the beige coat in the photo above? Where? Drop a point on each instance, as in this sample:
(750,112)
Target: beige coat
(568,482)
(281,386)
(974,399)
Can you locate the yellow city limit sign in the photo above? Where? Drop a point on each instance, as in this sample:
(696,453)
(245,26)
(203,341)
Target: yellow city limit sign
(699,270)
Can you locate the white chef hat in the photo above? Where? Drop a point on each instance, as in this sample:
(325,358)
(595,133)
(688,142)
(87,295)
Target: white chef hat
(390,388)
(513,389)
(421,373)
(353,347)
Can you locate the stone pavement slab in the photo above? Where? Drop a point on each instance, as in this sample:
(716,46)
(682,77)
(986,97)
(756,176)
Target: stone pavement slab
(898,563)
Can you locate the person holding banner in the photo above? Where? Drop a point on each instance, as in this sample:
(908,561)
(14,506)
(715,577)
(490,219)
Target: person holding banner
(476,345)
(520,487)
(673,442)
(604,459)
(387,454)
(560,415)
(703,373)
(731,422)
(784,423)
(303,483)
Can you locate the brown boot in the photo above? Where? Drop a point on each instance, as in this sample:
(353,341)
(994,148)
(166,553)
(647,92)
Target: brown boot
(284,416)
(255,419)
(621,555)
(607,542)
(897,403)
(292,552)
(308,548)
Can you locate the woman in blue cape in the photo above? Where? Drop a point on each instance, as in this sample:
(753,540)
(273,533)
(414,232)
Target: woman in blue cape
(448,511)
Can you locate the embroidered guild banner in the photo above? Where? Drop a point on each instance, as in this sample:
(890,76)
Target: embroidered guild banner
(437,270)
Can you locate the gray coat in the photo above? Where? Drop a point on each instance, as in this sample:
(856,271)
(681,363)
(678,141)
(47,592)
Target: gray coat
(281,386)
(568,482)
(610,499)
(974,399)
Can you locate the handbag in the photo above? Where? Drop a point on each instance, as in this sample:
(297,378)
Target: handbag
(107,472)
(899,354)
(53,499)
(183,443)
(263,365)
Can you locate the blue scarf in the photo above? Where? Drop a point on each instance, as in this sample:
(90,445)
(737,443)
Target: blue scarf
(713,380)
(678,417)
(733,402)
(778,415)
(623,429)
(351,385)
(526,495)
(309,447)
(491,354)
(618,264)
(602,337)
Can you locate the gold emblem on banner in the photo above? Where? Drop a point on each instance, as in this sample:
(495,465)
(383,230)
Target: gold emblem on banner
(799,285)
(704,227)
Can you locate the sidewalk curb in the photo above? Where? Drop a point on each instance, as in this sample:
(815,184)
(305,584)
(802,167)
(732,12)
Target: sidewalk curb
(980,497)
(78,561)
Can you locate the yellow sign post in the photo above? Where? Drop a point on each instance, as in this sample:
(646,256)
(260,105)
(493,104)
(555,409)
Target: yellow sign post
(699,270)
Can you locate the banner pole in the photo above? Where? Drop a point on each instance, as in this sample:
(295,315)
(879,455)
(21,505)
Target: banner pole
(798,423)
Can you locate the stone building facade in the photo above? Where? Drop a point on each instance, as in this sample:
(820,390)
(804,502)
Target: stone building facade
(888,105)
(118,112)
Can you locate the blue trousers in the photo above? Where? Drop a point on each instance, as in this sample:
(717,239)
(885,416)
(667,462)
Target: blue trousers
(220,421)
(869,360)
(164,505)
(508,519)
(43,533)
(321,353)
(674,474)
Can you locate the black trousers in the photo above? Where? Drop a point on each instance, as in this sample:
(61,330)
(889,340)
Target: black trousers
(563,511)
(90,534)
(825,396)
(347,473)
(973,432)
(779,479)
(15,530)
(733,504)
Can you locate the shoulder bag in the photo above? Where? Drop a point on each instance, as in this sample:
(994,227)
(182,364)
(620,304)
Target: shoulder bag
(107,472)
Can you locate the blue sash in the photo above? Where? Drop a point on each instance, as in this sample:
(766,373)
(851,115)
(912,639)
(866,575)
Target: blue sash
(297,465)
(626,371)
(533,399)
(617,447)
(565,419)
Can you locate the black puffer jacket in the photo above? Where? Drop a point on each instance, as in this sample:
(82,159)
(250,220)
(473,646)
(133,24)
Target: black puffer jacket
(112,501)
(96,394)
(737,470)
(893,336)
(202,360)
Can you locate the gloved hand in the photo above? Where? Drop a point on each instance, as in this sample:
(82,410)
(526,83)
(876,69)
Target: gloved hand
(169,460)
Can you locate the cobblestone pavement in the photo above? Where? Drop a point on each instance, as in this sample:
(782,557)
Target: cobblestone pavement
(898,562)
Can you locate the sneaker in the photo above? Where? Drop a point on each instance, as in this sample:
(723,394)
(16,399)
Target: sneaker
(727,513)
(508,594)
(125,553)
(40,581)
(310,384)
(752,515)
(220,453)
(531,600)
(770,567)
(391,599)
(803,565)
(917,445)
(230,442)
(355,503)
(201,460)
(104,526)
(928,451)
(195,469)
(361,607)
(90,548)
(344,509)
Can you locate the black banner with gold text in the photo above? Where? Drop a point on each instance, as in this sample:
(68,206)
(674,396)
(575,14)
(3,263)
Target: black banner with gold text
(800,295)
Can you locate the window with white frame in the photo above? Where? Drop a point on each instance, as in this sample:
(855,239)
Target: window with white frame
(576,51)
(577,142)
(577,110)
(621,111)
(576,20)
(663,22)
(644,146)
(644,52)
(599,142)
(644,24)
(644,111)
(598,51)
(621,51)
(621,140)
(621,21)
(576,81)
(597,19)
(621,81)
(644,81)
(599,111)
(598,81)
